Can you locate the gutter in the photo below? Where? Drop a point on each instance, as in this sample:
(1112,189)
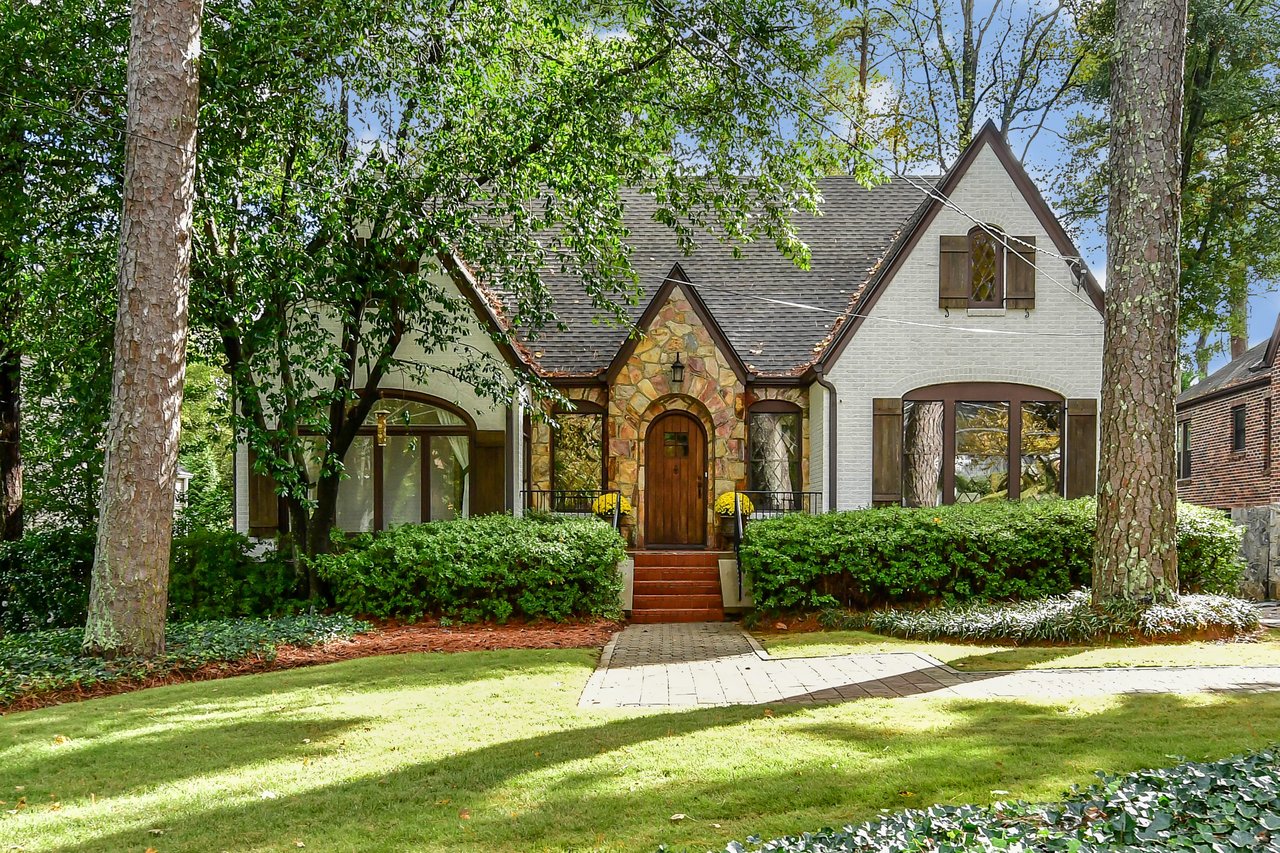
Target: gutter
(832,421)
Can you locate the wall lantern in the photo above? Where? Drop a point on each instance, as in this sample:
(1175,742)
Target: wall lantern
(677,371)
(381,415)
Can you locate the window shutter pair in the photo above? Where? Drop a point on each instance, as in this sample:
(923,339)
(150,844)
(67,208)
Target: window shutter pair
(1080,451)
(954,289)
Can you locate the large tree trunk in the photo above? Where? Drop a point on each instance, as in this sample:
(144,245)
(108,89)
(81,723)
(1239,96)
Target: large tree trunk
(10,436)
(129,591)
(922,444)
(1136,557)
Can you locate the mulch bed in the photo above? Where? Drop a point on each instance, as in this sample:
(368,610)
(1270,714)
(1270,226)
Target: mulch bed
(386,639)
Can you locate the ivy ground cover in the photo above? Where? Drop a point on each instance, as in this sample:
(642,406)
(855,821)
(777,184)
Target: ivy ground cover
(488,751)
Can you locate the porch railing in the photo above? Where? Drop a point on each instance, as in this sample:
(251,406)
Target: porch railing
(571,502)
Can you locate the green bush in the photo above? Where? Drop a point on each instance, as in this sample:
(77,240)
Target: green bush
(1227,805)
(44,579)
(1000,550)
(1067,618)
(213,574)
(488,567)
(39,661)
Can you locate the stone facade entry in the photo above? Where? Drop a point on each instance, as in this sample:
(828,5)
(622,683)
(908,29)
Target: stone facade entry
(676,474)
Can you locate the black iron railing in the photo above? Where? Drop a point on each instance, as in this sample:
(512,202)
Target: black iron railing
(767,505)
(575,502)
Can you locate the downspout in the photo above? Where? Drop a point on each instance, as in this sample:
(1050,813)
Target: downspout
(832,421)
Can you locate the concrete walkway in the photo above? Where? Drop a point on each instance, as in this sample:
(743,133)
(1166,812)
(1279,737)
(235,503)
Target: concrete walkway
(717,663)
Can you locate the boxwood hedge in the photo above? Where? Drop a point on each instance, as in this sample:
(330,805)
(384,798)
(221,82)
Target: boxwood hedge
(1000,550)
(1227,805)
(488,567)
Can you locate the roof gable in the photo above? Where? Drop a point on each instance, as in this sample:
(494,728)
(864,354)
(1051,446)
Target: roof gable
(675,278)
(910,235)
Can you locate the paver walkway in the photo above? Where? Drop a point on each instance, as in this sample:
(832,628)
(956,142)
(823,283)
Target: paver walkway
(717,663)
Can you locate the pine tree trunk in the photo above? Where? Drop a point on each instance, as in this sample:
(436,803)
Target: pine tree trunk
(1136,557)
(129,590)
(10,438)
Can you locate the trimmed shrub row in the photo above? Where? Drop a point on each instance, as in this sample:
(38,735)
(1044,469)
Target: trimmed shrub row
(488,567)
(1067,618)
(1227,805)
(977,552)
(213,574)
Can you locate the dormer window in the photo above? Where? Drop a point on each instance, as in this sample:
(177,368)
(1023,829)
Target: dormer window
(979,271)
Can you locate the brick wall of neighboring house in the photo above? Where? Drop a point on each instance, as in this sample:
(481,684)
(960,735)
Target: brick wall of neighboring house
(1220,476)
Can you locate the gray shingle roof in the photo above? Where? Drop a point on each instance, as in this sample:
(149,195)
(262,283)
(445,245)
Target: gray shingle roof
(1236,371)
(855,229)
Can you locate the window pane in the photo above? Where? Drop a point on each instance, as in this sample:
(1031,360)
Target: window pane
(402,480)
(982,451)
(450,469)
(1041,450)
(577,452)
(355,494)
(774,451)
(983,268)
(922,452)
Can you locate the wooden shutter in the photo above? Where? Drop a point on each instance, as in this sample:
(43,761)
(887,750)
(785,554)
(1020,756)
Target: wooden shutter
(1082,448)
(886,450)
(953,272)
(1020,265)
(264,503)
(488,488)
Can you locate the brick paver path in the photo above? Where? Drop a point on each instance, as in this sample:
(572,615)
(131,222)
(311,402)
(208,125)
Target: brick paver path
(717,663)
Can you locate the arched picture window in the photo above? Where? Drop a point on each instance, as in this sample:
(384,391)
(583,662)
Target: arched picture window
(420,471)
(986,267)
(774,447)
(577,448)
(965,443)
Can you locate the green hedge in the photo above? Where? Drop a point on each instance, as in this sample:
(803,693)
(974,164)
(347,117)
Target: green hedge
(1000,550)
(44,579)
(489,567)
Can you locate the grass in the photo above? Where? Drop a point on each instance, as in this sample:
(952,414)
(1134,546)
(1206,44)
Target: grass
(1264,651)
(488,751)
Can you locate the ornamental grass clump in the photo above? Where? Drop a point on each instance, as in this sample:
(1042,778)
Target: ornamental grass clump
(1069,618)
(1222,806)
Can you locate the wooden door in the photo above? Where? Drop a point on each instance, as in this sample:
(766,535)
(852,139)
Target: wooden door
(676,482)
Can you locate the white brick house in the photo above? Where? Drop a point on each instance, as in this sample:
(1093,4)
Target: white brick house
(921,359)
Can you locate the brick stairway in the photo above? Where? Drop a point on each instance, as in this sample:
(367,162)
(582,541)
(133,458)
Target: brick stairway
(677,586)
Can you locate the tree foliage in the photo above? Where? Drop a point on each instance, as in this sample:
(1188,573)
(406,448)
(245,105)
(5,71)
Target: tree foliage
(348,144)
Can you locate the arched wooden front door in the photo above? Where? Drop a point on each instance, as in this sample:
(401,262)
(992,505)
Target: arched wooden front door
(675,482)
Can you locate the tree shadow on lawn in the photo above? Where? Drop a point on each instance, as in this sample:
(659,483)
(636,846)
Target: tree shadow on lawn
(615,784)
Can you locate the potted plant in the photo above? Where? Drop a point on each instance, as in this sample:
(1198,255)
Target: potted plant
(603,506)
(724,507)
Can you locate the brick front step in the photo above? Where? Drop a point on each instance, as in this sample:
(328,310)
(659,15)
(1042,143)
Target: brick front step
(677,573)
(676,558)
(656,617)
(677,601)
(692,586)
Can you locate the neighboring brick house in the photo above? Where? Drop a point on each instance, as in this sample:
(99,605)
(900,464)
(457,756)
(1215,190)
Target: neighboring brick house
(920,358)
(1225,433)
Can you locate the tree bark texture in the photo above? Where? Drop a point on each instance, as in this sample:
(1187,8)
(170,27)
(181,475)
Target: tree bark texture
(1136,558)
(129,590)
(923,445)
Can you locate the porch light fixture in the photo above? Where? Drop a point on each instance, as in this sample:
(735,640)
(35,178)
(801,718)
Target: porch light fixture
(677,371)
(381,415)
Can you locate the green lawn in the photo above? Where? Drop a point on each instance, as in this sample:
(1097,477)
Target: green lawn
(974,658)
(488,751)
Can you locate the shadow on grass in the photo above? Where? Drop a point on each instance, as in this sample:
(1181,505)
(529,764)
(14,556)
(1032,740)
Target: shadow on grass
(1012,660)
(614,784)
